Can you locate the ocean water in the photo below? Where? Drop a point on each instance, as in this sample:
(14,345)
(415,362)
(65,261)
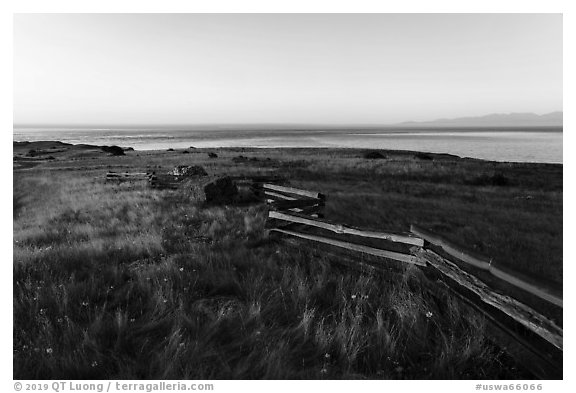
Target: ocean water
(534,145)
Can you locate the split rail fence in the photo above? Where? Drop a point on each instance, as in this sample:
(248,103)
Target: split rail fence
(532,339)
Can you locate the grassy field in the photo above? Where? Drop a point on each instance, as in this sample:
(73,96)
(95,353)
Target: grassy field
(117,280)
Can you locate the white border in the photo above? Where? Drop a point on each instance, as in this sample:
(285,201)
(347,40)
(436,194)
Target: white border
(339,6)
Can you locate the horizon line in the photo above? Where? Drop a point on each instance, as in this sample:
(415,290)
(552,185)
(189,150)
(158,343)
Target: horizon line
(285,124)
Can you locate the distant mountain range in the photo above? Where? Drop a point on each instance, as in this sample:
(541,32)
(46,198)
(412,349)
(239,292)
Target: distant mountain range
(553,119)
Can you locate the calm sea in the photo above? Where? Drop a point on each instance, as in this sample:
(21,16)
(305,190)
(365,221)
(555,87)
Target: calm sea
(534,145)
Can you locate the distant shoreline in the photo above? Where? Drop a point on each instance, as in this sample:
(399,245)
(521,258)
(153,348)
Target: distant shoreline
(20,146)
(511,144)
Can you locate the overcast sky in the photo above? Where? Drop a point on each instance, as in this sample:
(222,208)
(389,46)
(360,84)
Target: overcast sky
(282,68)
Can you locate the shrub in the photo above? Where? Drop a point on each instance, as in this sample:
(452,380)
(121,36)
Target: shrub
(496,179)
(423,156)
(374,155)
(113,150)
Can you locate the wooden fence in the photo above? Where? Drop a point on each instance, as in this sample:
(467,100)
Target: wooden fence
(484,263)
(161,181)
(171,181)
(531,338)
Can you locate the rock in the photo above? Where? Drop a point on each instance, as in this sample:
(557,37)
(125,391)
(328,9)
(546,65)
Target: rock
(221,190)
(113,150)
(188,171)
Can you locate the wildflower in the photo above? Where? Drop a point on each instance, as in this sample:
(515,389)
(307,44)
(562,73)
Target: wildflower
(132,320)
(429,314)
(324,370)
(181,269)
(165,280)
(353,296)
(111,286)
(59,320)
(84,304)
(94,363)
(49,350)
(327,355)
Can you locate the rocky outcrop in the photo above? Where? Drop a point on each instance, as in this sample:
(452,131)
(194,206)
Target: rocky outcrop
(220,191)
(185,171)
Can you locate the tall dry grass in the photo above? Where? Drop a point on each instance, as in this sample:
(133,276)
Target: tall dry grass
(120,281)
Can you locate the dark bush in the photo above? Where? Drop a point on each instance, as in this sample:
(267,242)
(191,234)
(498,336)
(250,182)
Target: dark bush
(239,159)
(496,179)
(423,156)
(374,155)
(212,155)
(500,180)
(170,149)
(185,152)
(113,150)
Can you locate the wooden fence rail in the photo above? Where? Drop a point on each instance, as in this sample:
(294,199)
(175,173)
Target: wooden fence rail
(354,247)
(486,264)
(344,229)
(292,191)
(532,339)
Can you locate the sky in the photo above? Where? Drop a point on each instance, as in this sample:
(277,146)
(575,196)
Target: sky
(366,69)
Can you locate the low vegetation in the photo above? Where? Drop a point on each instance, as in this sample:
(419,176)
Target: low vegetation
(116,280)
